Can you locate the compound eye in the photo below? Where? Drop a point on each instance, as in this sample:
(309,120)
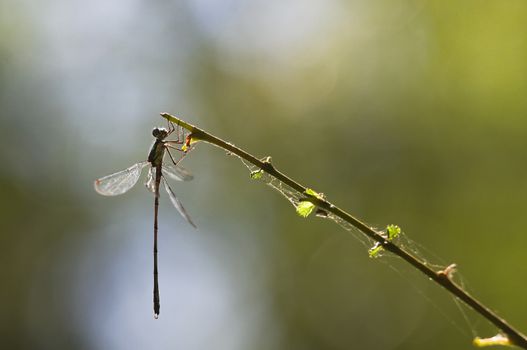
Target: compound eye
(160,133)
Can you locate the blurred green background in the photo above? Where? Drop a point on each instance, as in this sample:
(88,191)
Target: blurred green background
(405,112)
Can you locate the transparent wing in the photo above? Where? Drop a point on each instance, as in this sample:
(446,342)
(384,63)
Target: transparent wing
(120,182)
(150,182)
(177,203)
(177,172)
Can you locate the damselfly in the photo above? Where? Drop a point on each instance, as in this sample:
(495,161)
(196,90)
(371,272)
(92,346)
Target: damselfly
(122,181)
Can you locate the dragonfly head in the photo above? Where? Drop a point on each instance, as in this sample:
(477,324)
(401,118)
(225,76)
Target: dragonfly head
(160,133)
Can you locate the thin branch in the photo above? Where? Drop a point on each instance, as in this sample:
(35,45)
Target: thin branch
(443,277)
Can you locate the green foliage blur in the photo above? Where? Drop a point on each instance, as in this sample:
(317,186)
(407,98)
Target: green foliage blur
(404,112)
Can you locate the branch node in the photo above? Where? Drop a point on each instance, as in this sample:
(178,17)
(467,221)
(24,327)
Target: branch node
(267,163)
(447,272)
(267,159)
